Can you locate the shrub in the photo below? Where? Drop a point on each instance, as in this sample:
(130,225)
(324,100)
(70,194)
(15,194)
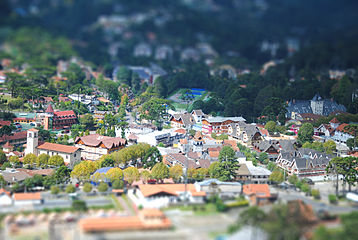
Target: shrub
(87,187)
(305,188)
(103,187)
(118,184)
(70,189)
(315,193)
(332,198)
(79,205)
(240,203)
(55,190)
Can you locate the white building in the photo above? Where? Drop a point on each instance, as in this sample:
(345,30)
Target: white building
(27,199)
(70,154)
(5,198)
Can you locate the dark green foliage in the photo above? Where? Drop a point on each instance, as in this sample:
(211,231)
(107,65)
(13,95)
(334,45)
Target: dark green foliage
(79,205)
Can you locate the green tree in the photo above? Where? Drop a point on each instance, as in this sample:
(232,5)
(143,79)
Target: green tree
(14,160)
(79,205)
(201,174)
(56,160)
(277,176)
(87,187)
(131,174)
(118,184)
(214,170)
(152,157)
(305,133)
(271,127)
(62,174)
(107,161)
(2,182)
(55,190)
(42,160)
(145,175)
(293,179)
(3,158)
(160,171)
(228,164)
(114,174)
(87,121)
(154,109)
(329,146)
(83,170)
(352,128)
(103,187)
(30,159)
(70,189)
(175,172)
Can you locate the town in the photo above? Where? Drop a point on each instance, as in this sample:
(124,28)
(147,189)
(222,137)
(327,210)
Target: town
(148,137)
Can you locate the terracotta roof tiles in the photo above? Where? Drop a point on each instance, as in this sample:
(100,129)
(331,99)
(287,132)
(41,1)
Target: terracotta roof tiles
(58,147)
(27,196)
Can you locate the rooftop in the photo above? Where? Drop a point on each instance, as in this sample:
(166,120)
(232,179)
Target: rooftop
(58,147)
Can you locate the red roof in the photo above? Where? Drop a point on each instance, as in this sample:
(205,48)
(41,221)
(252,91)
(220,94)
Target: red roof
(7,145)
(341,127)
(69,113)
(27,196)
(260,190)
(33,130)
(58,147)
(15,136)
(49,109)
(3,123)
(95,140)
(172,189)
(4,191)
(334,120)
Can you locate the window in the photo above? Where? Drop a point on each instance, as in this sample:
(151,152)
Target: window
(74,155)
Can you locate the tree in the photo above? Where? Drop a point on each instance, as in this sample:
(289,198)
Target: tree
(3,158)
(270,126)
(114,174)
(263,157)
(228,164)
(55,190)
(6,130)
(145,175)
(103,187)
(79,205)
(42,160)
(118,184)
(293,179)
(30,159)
(87,187)
(154,109)
(62,174)
(277,176)
(352,128)
(131,174)
(70,189)
(214,170)
(200,174)
(152,157)
(14,160)
(160,171)
(56,160)
(2,181)
(305,133)
(253,217)
(329,146)
(87,121)
(175,172)
(83,170)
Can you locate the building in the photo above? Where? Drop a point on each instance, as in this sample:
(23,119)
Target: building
(70,154)
(5,198)
(95,146)
(248,173)
(246,133)
(59,119)
(317,105)
(341,135)
(27,199)
(223,189)
(181,120)
(16,139)
(146,220)
(219,125)
(304,162)
(258,194)
(162,195)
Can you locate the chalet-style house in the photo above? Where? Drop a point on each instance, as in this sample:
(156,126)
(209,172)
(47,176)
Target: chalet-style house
(70,154)
(316,105)
(223,189)
(334,131)
(182,120)
(274,147)
(258,194)
(248,173)
(59,119)
(219,125)
(95,146)
(246,133)
(304,162)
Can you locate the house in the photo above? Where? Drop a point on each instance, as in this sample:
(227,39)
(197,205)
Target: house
(219,125)
(59,119)
(4,123)
(142,50)
(223,189)
(70,154)
(248,173)
(147,219)
(304,162)
(27,199)
(192,160)
(246,133)
(190,54)
(15,139)
(258,194)
(316,105)
(14,176)
(95,146)
(162,195)
(341,135)
(5,198)
(181,120)
(163,52)
(64,99)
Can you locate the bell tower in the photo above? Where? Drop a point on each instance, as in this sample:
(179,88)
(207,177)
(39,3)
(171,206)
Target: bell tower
(32,141)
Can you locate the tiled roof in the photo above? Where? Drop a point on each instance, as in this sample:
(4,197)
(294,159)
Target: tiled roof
(68,114)
(4,191)
(180,130)
(334,120)
(7,145)
(173,189)
(27,196)
(58,147)
(3,123)
(223,119)
(94,140)
(14,136)
(33,130)
(102,99)
(341,128)
(260,190)
(49,109)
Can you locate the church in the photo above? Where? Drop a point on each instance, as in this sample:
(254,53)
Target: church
(317,105)
(70,154)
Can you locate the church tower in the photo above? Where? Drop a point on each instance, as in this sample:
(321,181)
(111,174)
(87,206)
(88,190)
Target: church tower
(32,141)
(198,142)
(317,104)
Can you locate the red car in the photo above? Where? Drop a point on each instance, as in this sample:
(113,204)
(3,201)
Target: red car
(152,181)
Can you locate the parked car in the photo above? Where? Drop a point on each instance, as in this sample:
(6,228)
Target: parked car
(308,181)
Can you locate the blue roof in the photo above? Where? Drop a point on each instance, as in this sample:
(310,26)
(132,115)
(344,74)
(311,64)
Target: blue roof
(198,89)
(102,170)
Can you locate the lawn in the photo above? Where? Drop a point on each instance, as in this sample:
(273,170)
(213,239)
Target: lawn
(199,210)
